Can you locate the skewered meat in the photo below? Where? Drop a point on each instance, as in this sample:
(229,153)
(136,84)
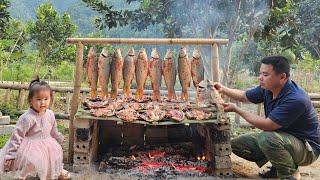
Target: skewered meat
(176,115)
(128,115)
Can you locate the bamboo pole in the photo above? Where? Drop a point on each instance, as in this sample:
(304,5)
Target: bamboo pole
(75,97)
(194,41)
(53,101)
(82,90)
(215,63)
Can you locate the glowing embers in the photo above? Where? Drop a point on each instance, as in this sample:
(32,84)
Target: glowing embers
(166,161)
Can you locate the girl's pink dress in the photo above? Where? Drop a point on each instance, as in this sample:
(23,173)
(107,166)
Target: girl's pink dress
(34,146)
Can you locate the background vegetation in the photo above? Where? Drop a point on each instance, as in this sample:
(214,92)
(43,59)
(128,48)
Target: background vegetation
(33,33)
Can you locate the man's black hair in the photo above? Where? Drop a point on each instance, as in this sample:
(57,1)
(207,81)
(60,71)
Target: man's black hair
(280,64)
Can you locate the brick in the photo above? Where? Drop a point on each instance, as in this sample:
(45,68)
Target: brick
(222,149)
(4,120)
(222,162)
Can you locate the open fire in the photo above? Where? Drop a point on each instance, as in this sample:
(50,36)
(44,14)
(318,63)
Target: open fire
(163,161)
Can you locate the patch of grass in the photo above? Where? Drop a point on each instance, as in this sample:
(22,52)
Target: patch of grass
(62,129)
(3,140)
(237,131)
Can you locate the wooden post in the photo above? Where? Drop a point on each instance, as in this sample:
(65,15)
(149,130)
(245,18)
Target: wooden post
(237,116)
(53,101)
(259,110)
(21,98)
(215,63)
(75,96)
(7,94)
(68,100)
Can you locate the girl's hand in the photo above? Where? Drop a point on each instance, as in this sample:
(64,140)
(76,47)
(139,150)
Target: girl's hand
(8,164)
(229,107)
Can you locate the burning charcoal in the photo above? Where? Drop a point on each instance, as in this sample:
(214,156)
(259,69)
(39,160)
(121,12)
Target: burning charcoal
(176,115)
(128,115)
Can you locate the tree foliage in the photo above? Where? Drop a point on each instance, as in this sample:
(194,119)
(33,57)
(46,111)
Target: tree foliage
(4,16)
(49,32)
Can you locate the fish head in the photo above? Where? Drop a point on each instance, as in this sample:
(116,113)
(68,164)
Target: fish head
(142,54)
(155,53)
(104,52)
(117,53)
(91,52)
(131,52)
(183,52)
(196,53)
(169,54)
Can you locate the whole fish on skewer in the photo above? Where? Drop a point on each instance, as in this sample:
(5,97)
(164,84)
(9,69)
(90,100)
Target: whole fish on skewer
(104,65)
(92,72)
(197,68)
(155,73)
(128,72)
(169,72)
(116,72)
(184,72)
(141,72)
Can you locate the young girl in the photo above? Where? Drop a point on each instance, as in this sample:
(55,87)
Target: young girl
(34,146)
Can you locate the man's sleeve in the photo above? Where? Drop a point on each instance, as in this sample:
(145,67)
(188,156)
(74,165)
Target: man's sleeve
(287,112)
(255,95)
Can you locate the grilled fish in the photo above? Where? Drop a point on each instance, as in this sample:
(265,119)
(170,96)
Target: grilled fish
(184,72)
(197,68)
(128,72)
(104,65)
(155,66)
(92,72)
(169,72)
(141,72)
(116,72)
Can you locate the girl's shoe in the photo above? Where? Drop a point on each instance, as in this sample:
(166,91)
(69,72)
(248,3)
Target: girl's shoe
(64,175)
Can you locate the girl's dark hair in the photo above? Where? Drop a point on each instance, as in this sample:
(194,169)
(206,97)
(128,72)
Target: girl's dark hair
(36,85)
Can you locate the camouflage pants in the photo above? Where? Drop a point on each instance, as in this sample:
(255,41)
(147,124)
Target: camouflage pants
(284,151)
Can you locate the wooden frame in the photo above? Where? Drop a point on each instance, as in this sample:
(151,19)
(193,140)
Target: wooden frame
(79,64)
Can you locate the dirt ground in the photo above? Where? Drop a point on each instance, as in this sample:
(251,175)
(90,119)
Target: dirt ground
(241,168)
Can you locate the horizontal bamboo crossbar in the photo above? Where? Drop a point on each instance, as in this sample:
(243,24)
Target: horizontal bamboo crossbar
(82,90)
(154,41)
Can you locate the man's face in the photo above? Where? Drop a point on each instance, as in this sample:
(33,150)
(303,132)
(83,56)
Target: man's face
(269,79)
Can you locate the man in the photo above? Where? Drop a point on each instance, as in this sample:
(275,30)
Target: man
(290,136)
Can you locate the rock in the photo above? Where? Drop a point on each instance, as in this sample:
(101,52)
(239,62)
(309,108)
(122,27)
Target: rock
(4,120)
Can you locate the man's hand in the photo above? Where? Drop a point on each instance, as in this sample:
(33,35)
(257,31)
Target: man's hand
(8,164)
(219,87)
(229,107)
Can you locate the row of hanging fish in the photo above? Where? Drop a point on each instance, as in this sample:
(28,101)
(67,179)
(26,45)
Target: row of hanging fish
(117,69)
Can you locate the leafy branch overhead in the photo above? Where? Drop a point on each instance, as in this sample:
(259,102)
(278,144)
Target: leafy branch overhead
(4,16)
